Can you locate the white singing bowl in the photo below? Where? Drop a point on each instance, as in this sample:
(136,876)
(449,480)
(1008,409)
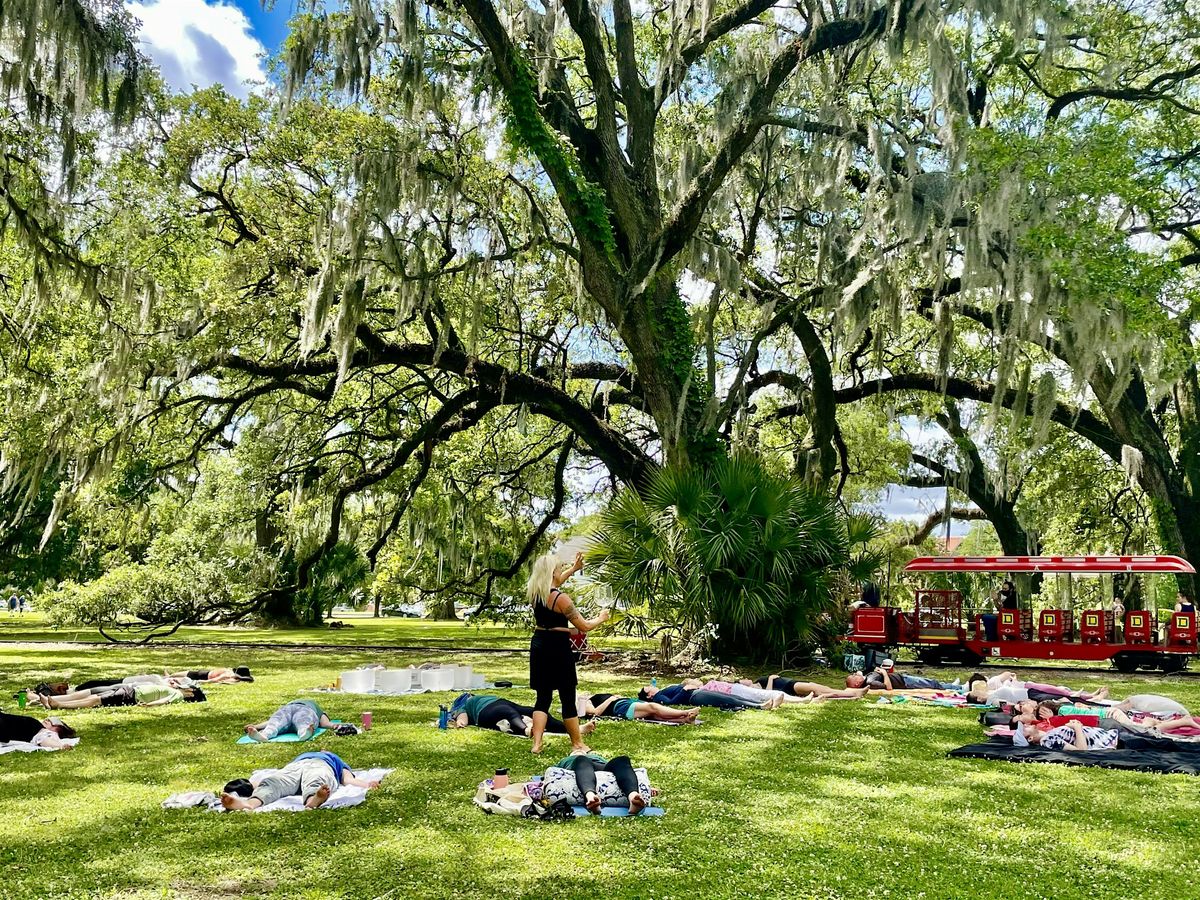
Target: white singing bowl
(358,681)
(394,681)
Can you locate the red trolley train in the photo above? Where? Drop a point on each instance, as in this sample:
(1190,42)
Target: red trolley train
(941,630)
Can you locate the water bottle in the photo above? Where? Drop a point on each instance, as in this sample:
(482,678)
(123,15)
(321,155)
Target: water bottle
(653,682)
(21,699)
(443,717)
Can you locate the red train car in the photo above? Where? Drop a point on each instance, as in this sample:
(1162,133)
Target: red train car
(941,630)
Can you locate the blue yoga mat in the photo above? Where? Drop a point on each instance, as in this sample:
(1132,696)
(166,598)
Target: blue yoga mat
(288,737)
(618,811)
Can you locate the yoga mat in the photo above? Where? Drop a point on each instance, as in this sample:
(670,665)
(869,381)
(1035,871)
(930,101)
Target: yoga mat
(23,747)
(288,737)
(619,811)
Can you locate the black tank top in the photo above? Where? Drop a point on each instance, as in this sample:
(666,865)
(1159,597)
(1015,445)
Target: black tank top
(545,617)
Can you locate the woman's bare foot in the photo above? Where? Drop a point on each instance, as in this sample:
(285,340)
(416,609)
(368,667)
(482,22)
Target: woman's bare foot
(767,704)
(692,715)
(593,803)
(229,801)
(588,727)
(537,746)
(256,734)
(1100,694)
(577,749)
(319,797)
(636,803)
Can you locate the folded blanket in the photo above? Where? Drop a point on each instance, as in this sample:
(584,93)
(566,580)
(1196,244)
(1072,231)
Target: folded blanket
(1144,754)
(288,737)
(344,796)
(23,747)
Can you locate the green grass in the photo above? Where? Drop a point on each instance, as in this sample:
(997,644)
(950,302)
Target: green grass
(845,800)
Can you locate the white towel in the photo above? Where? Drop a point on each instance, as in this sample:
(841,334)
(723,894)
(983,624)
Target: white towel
(23,747)
(344,796)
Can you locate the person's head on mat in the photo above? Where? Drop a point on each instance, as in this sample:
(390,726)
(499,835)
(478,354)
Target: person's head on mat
(193,695)
(647,693)
(58,726)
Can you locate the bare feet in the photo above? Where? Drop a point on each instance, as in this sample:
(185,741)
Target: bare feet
(691,715)
(636,803)
(537,745)
(593,803)
(229,801)
(588,727)
(767,704)
(319,797)
(256,734)
(1100,694)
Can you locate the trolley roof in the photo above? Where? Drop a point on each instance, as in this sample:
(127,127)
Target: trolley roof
(1078,565)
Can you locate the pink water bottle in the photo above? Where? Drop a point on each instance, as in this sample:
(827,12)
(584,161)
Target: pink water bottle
(366,721)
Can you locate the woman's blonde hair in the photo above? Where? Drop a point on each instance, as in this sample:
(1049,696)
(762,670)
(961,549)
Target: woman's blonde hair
(541,578)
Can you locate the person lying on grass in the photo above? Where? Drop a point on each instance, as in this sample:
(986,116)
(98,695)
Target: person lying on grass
(1007,688)
(682,694)
(586,765)
(807,689)
(1072,736)
(499,714)
(618,707)
(147,678)
(885,678)
(299,717)
(122,695)
(216,676)
(313,776)
(48,733)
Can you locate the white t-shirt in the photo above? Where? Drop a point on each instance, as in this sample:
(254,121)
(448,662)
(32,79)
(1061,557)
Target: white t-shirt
(1155,703)
(995,681)
(1010,692)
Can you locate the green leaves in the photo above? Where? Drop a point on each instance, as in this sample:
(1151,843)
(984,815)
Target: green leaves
(754,553)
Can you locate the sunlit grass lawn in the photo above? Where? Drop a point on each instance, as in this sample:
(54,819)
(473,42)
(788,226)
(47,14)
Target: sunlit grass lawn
(845,800)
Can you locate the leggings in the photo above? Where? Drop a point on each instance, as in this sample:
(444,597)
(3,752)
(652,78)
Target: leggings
(566,695)
(99,682)
(505,711)
(787,685)
(722,701)
(586,767)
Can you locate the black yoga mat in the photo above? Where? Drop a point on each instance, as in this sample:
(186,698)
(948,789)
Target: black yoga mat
(1135,752)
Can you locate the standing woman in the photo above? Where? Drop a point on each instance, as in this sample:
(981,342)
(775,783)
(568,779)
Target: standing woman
(551,662)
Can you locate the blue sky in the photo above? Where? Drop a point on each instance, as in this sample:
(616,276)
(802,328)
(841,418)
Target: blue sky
(204,42)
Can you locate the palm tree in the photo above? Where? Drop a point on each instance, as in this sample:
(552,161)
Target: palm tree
(744,558)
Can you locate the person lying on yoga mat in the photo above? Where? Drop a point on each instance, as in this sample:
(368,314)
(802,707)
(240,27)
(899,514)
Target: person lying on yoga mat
(624,708)
(885,679)
(1013,690)
(1072,736)
(48,733)
(299,717)
(681,694)
(122,695)
(586,765)
(499,714)
(794,688)
(216,676)
(313,776)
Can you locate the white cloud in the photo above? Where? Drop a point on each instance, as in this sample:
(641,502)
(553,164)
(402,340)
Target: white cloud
(201,43)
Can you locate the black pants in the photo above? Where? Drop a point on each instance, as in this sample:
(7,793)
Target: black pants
(787,685)
(505,711)
(586,768)
(566,697)
(99,682)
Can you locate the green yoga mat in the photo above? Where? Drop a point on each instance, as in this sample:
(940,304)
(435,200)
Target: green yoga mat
(288,737)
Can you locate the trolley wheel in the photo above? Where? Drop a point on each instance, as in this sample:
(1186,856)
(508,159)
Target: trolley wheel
(1172,662)
(931,656)
(1126,662)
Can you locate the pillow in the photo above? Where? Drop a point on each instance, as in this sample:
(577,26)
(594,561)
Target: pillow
(559,784)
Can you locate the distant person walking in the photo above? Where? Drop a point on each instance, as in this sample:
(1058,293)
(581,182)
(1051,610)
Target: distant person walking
(551,661)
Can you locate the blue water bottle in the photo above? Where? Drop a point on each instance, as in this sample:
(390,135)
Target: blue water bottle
(654,682)
(443,717)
